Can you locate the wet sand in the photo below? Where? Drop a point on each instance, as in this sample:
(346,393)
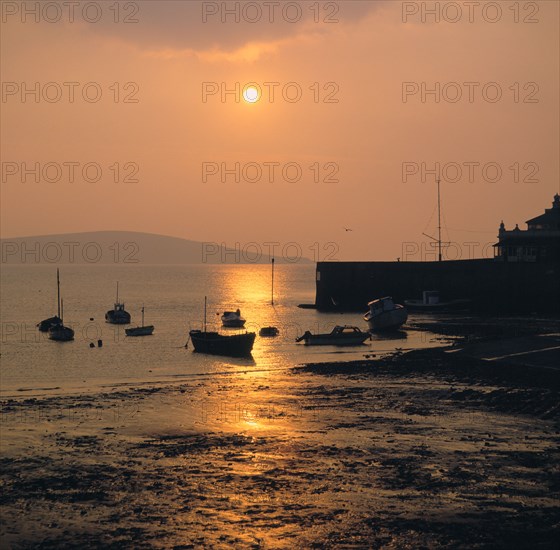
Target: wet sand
(420,450)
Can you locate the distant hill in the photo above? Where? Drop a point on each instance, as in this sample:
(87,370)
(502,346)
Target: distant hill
(129,247)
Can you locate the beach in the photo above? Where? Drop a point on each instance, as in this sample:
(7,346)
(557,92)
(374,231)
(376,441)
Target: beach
(280,275)
(422,449)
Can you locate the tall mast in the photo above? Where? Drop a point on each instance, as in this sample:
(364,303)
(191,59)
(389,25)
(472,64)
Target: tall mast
(61,311)
(439,219)
(117,292)
(272,289)
(204,313)
(58,291)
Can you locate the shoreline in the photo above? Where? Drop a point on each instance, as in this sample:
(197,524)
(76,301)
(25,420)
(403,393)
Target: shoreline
(425,448)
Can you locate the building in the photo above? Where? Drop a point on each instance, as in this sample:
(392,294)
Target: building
(540,242)
(525,281)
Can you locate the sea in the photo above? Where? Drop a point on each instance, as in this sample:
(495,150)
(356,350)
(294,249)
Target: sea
(173,297)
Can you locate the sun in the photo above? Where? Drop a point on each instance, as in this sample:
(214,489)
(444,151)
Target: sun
(251,94)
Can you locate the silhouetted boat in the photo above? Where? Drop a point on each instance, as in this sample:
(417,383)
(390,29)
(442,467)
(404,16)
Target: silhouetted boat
(340,336)
(269,331)
(384,314)
(214,343)
(58,332)
(118,315)
(140,331)
(233,319)
(431,302)
(46,324)
(232,345)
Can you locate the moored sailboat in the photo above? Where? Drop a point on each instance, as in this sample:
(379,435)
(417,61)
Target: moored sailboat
(46,324)
(57,331)
(214,343)
(60,333)
(140,331)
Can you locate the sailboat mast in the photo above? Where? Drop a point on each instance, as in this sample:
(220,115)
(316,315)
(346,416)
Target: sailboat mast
(58,291)
(272,287)
(439,219)
(61,312)
(117,292)
(204,313)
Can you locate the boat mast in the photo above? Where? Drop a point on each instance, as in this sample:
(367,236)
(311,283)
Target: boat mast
(204,313)
(117,292)
(439,219)
(272,288)
(58,291)
(61,312)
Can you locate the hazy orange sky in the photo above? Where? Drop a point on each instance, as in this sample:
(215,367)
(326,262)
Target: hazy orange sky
(366,52)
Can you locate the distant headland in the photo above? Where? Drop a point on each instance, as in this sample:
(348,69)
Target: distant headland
(131,247)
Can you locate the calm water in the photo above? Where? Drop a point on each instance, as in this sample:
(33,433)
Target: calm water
(174,299)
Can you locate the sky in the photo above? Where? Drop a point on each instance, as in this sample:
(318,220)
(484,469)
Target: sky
(132,117)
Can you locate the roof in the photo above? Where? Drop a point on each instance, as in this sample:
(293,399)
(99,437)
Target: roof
(551,216)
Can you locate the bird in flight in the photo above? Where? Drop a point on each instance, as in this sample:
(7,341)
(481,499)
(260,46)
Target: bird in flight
(347,229)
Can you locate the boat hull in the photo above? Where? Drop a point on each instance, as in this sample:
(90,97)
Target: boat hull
(140,331)
(213,343)
(236,323)
(340,336)
(60,333)
(117,318)
(387,320)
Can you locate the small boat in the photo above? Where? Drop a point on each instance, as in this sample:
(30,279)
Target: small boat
(269,331)
(340,336)
(46,324)
(60,333)
(140,331)
(384,314)
(214,343)
(431,302)
(118,315)
(233,319)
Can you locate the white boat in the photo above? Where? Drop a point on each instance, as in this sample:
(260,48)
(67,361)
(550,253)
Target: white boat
(431,302)
(233,319)
(384,314)
(140,331)
(339,336)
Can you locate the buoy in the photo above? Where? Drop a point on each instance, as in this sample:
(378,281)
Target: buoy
(91,345)
(99,343)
